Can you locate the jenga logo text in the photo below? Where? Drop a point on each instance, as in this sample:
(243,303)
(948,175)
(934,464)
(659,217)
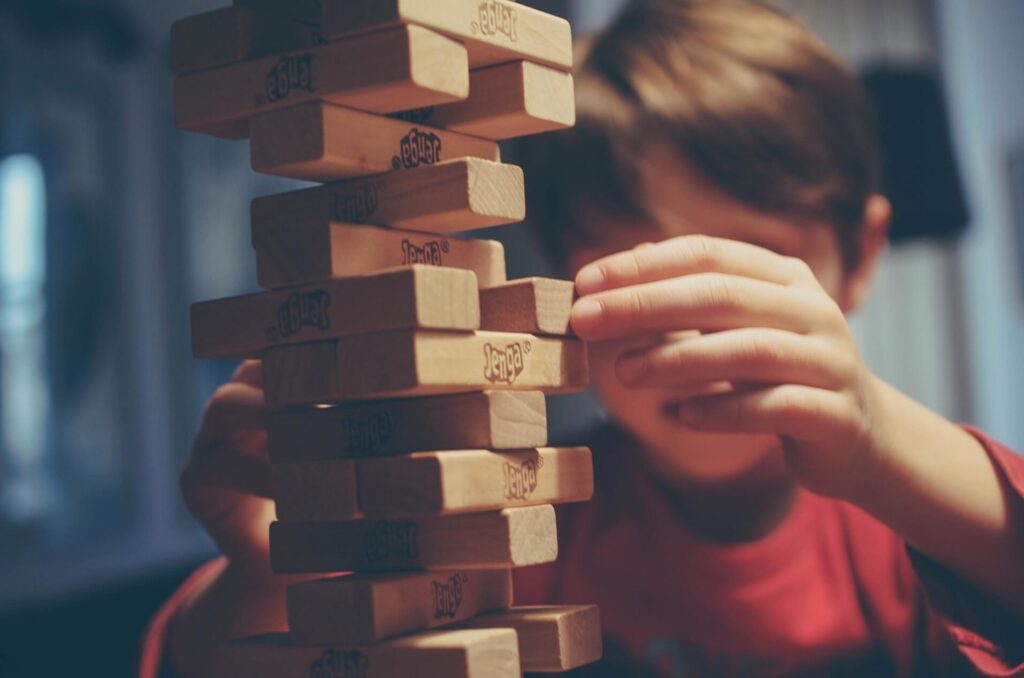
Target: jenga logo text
(364,436)
(521,479)
(504,365)
(494,18)
(388,540)
(418,148)
(429,253)
(340,664)
(302,309)
(355,206)
(291,73)
(448,596)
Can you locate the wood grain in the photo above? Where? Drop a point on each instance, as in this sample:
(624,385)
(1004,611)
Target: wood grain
(385,72)
(456,195)
(511,100)
(534,305)
(489,419)
(494,31)
(363,609)
(485,653)
(552,639)
(323,142)
(417,363)
(462,481)
(407,297)
(514,537)
(289,254)
(232,34)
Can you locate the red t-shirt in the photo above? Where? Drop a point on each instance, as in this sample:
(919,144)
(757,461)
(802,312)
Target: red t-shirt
(830,592)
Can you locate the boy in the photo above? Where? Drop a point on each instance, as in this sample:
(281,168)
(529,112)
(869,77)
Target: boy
(764,505)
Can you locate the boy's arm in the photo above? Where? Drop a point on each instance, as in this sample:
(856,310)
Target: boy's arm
(768,325)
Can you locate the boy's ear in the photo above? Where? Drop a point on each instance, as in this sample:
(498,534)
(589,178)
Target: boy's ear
(874,235)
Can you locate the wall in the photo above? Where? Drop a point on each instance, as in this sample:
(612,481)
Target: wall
(983,61)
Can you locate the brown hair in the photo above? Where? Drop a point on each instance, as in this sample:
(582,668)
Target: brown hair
(744,92)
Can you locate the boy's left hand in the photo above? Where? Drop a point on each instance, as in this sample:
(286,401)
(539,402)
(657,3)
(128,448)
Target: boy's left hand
(767,327)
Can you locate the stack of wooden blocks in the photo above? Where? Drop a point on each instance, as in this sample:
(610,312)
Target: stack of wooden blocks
(406,373)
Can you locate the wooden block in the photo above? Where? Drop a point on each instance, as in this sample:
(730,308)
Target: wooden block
(484,653)
(533,305)
(233,34)
(323,142)
(552,639)
(456,195)
(511,100)
(494,31)
(362,609)
(380,72)
(514,537)
(409,297)
(316,490)
(417,363)
(463,481)
(291,254)
(306,11)
(497,420)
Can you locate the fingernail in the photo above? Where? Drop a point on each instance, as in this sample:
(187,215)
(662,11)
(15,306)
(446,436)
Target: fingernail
(585,312)
(632,367)
(589,279)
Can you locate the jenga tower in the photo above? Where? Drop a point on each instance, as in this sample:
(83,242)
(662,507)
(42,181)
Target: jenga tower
(406,373)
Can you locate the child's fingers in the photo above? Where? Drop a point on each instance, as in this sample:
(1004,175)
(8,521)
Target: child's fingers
(744,355)
(688,255)
(709,302)
(801,412)
(228,467)
(249,372)
(234,407)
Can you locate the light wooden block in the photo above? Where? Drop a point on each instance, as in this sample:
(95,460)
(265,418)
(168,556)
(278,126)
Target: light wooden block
(485,653)
(408,297)
(306,11)
(456,195)
(552,639)
(514,537)
(417,363)
(363,609)
(384,72)
(497,420)
(517,99)
(323,142)
(461,481)
(494,31)
(533,305)
(316,490)
(231,34)
(291,254)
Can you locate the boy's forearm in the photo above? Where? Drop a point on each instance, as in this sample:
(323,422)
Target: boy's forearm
(231,604)
(937,487)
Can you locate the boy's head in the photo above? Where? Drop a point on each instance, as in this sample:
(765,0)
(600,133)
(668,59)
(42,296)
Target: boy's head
(719,117)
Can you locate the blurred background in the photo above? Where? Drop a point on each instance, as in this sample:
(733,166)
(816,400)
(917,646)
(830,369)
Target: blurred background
(112,222)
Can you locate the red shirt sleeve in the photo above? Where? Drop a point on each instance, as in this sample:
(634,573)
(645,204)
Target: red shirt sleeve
(153,662)
(988,635)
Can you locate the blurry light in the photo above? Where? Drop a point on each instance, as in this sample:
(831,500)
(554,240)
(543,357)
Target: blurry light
(24,390)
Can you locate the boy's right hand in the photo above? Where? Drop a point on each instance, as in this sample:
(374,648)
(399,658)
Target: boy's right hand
(226,480)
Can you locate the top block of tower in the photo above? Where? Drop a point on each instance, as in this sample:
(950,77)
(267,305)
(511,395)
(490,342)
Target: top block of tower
(385,72)
(494,31)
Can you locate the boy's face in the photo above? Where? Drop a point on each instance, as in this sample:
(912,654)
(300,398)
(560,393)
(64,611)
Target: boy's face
(681,202)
